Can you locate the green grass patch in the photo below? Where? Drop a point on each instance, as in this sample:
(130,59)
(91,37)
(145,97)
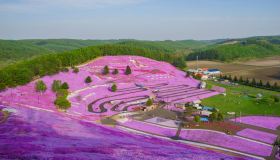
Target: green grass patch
(244,99)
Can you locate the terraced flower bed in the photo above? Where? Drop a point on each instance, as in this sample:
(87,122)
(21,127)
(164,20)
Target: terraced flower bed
(258,135)
(207,137)
(95,98)
(260,121)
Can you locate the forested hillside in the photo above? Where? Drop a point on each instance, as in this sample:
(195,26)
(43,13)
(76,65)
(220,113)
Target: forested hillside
(24,71)
(230,50)
(14,50)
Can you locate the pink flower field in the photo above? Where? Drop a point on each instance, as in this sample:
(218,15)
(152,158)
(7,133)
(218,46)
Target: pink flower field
(260,121)
(258,135)
(205,136)
(95,100)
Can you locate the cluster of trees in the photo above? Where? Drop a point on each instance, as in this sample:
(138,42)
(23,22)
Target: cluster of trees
(25,71)
(216,116)
(253,82)
(106,70)
(61,90)
(239,49)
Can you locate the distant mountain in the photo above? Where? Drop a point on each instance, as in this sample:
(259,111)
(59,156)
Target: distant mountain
(239,49)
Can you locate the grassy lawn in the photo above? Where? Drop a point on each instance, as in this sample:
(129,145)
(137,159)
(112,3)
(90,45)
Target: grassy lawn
(242,99)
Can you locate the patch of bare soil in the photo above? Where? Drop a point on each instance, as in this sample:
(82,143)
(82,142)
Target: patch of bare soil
(266,69)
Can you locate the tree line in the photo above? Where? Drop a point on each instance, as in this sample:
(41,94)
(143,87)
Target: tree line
(253,82)
(49,64)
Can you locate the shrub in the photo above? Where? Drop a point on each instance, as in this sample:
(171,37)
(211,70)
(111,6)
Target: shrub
(40,86)
(62,103)
(213,116)
(149,102)
(65,86)
(127,70)
(88,79)
(56,85)
(276,99)
(116,71)
(220,117)
(62,93)
(65,69)
(76,70)
(197,118)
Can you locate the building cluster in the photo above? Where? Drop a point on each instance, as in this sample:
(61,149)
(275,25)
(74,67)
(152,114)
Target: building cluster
(204,73)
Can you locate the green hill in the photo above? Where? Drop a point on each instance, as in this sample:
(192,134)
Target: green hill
(239,49)
(14,50)
(24,71)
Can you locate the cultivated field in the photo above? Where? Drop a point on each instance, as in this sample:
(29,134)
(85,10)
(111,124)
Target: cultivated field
(262,69)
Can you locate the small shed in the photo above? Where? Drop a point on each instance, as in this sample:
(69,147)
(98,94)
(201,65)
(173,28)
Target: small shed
(205,113)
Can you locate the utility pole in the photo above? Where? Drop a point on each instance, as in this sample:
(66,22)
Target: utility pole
(240,117)
(196,62)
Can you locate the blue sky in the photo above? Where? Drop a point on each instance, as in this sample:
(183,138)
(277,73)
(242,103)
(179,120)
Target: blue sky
(138,19)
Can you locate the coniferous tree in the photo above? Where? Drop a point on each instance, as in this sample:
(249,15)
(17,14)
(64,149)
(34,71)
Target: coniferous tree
(116,71)
(127,70)
(235,79)
(88,80)
(241,79)
(106,70)
(247,82)
(230,78)
(114,88)
(267,84)
(260,83)
(253,83)
(275,85)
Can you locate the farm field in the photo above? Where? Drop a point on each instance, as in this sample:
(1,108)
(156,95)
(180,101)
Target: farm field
(267,69)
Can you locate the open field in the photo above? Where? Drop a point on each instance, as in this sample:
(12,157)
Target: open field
(242,99)
(267,69)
